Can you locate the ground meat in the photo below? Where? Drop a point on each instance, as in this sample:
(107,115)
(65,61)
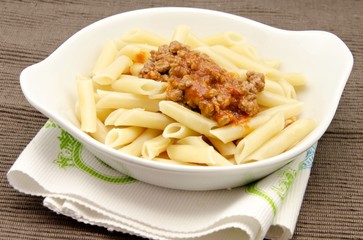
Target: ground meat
(197,82)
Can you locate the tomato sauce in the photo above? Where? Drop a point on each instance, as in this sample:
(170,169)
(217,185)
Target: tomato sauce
(197,82)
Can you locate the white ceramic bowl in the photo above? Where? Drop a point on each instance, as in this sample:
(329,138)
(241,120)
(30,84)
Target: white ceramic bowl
(325,60)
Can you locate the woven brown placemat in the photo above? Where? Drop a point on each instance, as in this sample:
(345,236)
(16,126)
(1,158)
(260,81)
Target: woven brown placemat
(31,30)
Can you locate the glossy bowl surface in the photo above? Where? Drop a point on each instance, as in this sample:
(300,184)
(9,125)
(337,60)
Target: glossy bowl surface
(325,60)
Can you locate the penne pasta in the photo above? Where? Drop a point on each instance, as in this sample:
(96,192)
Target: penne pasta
(259,136)
(120,43)
(136,68)
(194,42)
(106,57)
(103,113)
(117,100)
(289,90)
(290,110)
(135,53)
(272,63)
(181,33)
(118,137)
(135,147)
(140,36)
(226,149)
(233,132)
(192,153)
(249,52)
(198,141)
(178,130)
(295,79)
(193,140)
(258,121)
(245,50)
(102,87)
(136,85)
(160,96)
(101,132)
(220,60)
(243,62)
(153,147)
(226,39)
(113,71)
(288,137)
(140,118)
(220,159)
(87,105)
(187,117)
(230,133)
(196,154)
(114,115)
(274,87)
(269,99)
(145,47)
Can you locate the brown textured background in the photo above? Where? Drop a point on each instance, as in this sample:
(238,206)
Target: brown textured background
(31,30)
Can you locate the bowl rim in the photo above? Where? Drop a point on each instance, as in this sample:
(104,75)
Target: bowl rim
(86,139)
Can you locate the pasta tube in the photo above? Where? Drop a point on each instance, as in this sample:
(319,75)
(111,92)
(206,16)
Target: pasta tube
(140,118)
(140,36)
(259,136)
(117,100)
(290,110)
(178,130)
(288,137)
(187,117)
(220,60)
(153,147)
(194,42)
(273,87)
(289,90)
(87,105)
(245,63)
(295,79)
(101,132)
(181,33)
(233,132)
(136,85)
(113,71)
(227,39)
(106,57)
(269,99)
(198,141)
(118,137)
(192,153)
(226,149)
(136,68)
(135,147)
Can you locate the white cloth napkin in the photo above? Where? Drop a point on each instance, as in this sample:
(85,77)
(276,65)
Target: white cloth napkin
(75,183)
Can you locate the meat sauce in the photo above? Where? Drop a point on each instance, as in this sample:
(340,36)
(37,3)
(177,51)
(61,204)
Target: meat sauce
(197,82)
